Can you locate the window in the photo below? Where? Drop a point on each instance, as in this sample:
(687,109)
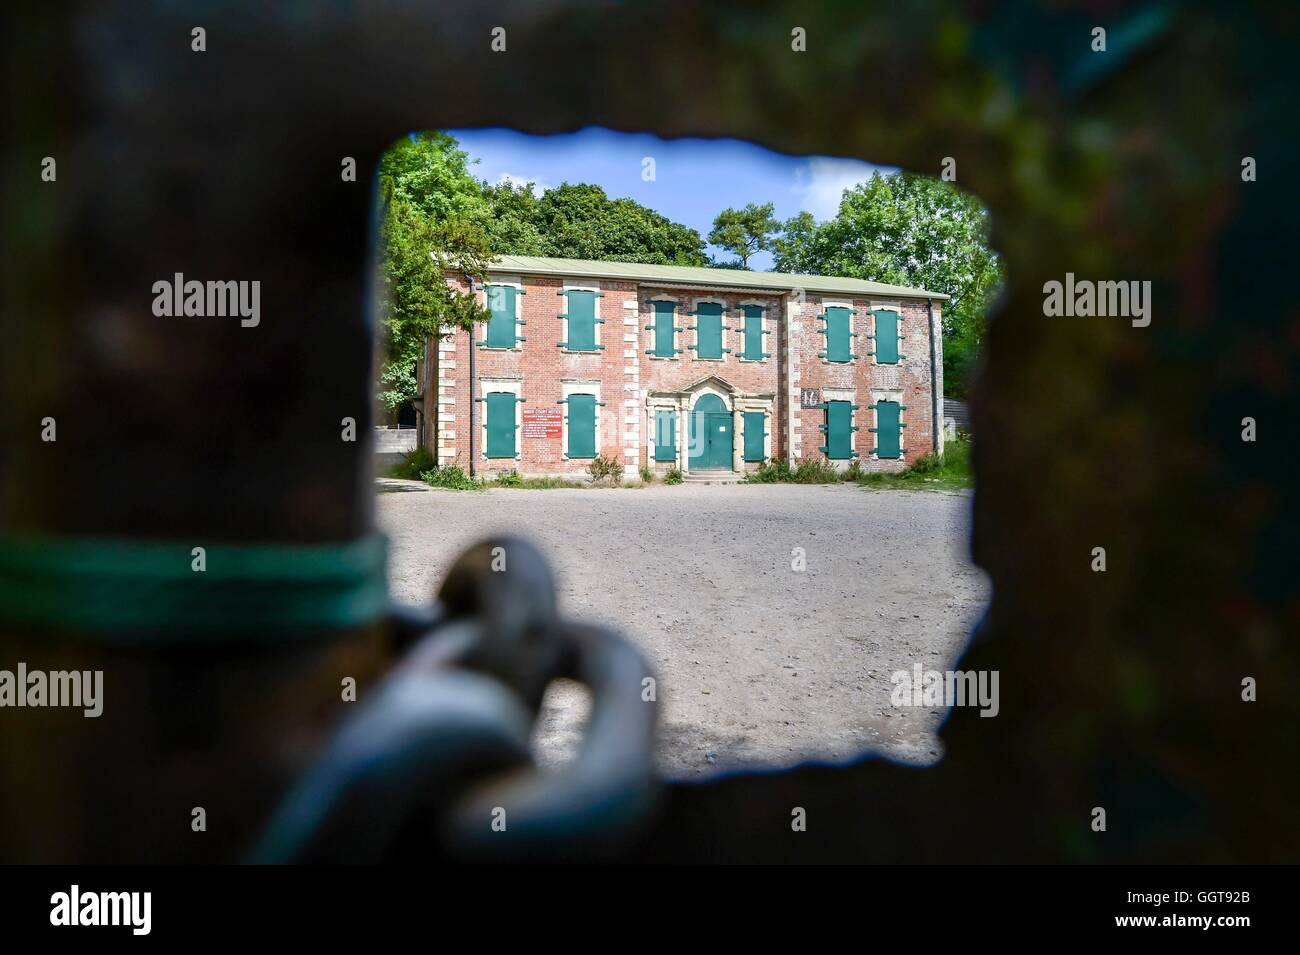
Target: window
(665,329)
(502,303)
(581,420)
(839,430)
(580,317)
(887,336)
(665,435)
(888,429)
(501,425)
(755,435)
(753,333)
(839,333)
(708,330)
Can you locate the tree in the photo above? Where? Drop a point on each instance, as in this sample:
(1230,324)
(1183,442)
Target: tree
(430,171)
(510,222)
(743,232)
(908,229)
(430,209)
(579,221)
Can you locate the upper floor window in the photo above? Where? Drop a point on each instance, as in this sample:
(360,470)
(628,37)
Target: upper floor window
(838,330)
(503,307)
(664,329)
(887,336)
(753,333)
(580,320)
(708,330)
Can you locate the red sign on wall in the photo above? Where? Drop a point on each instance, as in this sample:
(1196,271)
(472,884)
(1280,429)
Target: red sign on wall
(543,422)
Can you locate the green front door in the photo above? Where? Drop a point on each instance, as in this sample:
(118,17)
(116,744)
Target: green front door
(710,437)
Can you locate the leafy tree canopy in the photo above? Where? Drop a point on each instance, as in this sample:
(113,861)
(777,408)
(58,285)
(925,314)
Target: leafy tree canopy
(907,229)
(429,209)
(743,232)
(579,221)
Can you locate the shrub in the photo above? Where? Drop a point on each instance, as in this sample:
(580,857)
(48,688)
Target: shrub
(808,471)
(414,464)
(673,477)
(450,477)
(943,472)
(509,479)
(603,468)
(853,472)
(647,475)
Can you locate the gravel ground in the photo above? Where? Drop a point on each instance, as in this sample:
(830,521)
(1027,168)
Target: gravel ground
(757,663)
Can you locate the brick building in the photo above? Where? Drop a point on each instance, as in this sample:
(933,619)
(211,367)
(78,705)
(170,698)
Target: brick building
(706,370)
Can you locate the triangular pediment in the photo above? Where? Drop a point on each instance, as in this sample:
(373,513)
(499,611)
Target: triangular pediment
(710,383)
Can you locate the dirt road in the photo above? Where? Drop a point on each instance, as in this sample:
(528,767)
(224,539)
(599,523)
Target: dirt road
(758,663)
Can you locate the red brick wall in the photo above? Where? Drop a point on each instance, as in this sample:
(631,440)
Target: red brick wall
(911,376)
(626,373)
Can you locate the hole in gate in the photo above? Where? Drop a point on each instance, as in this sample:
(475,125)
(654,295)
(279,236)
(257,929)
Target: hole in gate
(699,374)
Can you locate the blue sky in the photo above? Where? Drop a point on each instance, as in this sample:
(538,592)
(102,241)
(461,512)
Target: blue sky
(695,179)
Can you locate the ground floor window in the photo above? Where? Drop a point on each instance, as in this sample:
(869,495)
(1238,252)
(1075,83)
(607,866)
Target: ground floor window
(755,435)
(501,427)
(581,421)
(839,431)
(665,435)
(888,429)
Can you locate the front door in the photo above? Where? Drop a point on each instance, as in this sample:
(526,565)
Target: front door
(710,436)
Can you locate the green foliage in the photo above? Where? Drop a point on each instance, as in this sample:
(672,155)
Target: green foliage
(949,471)
(742,232)
(509,479)
(647,475)
(545,483)
(603,468)
(429,203)
(451,477)
(908,229)
(674,476)
(808,471)
(853,472)
(579,221)
(430,171)
(414,464)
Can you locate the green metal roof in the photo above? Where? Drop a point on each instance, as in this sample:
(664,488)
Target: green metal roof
(693,275)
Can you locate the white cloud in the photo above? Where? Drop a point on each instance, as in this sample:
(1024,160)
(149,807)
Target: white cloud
(538,186)
(820,181)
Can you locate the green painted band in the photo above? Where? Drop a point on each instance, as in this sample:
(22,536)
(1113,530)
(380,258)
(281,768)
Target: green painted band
(151,591)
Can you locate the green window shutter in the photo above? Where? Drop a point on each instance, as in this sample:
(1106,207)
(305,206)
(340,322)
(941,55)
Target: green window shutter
(839,340)
(753,349)
(886,337)
(501,330)
(839,430)
(581,313)
(500,424)
(755,428)
(582,426)
(887,429)
(666,435)
(708,330)
(665,342)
